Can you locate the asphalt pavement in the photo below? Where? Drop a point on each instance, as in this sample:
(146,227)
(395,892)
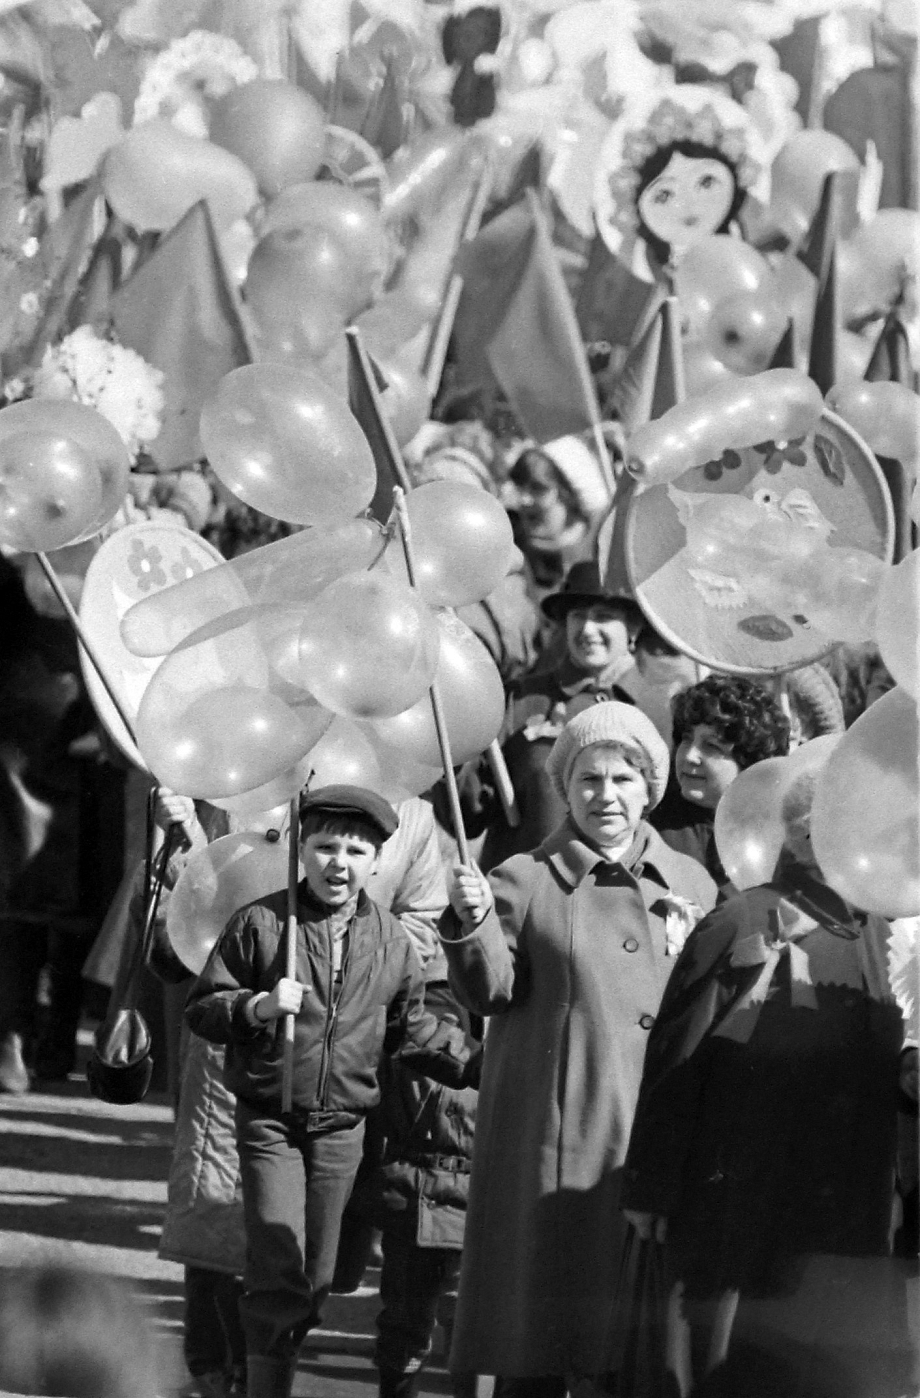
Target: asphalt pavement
(84,1182)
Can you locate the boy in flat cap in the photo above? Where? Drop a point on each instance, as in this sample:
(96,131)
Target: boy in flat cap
(358,992)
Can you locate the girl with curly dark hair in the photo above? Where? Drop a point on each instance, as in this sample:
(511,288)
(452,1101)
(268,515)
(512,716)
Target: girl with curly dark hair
(721,726)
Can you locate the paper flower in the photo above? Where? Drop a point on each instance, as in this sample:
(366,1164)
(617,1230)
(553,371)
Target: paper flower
(106,376)
(191,70)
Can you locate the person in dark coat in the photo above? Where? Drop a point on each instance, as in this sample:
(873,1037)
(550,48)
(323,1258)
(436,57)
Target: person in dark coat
(420,1194)
(358,990)
(721,726)
(600,629)
(764,1143)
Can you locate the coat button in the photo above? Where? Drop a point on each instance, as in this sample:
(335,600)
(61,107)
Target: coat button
(646,1021)
(630,944)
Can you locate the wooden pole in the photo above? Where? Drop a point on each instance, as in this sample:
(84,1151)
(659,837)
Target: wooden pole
(437,708)
(290,954)
(436,349)
(92,653)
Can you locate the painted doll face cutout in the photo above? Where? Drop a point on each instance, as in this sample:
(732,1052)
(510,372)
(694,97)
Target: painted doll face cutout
(688,201)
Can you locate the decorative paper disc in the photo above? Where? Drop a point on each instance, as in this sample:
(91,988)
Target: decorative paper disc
(831,471)
(131,564)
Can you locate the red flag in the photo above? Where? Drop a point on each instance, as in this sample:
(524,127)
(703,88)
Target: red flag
(613,303)
(652,379)
(37,293)
(784,356)
(364,386)
(516,322)
(180,312)
(834,219)
(890,361)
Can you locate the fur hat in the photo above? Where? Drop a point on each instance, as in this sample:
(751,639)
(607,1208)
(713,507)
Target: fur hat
(610,722)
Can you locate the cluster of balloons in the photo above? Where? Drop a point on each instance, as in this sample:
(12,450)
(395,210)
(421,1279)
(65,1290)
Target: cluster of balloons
(63,474)
(865,820)
(318,645)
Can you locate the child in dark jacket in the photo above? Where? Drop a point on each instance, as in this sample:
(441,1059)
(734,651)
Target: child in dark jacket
(358,992)
(421,1191)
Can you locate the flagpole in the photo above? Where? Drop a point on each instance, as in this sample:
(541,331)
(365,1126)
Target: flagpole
(436,349)
(92,654)
(437,707)
(290,954)
(394,455)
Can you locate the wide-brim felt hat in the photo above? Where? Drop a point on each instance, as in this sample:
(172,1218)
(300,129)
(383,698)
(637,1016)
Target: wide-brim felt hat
(583,588)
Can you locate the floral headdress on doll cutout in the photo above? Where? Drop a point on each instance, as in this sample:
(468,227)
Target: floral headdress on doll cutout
(654,122)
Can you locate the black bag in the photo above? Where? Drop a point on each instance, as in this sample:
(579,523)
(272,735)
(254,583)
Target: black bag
(636,1345)
(121,1065)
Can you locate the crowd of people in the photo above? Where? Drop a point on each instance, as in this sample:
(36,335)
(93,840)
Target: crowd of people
(517,1076)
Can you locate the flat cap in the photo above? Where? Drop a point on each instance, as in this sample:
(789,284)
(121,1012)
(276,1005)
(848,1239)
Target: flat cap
(352,800)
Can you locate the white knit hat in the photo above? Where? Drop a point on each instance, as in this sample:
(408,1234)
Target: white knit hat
(580,468)
(610,722)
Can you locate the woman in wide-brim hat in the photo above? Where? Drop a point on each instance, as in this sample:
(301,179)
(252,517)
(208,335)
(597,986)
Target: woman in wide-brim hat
(567,949)
(598,626)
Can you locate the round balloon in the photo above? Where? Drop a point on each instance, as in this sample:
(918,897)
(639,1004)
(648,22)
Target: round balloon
(274,128)
(712,269)
(886,416)
(368,646)
(216,882)
(228,740)
(50,491)
(87,429)
(462,542)
(748,828)
(308,266)
(865,821)
(156,173)
(798,174)
(269,800)
(897,622)
(282,441)
(744,330)
(345,213)
(472,696)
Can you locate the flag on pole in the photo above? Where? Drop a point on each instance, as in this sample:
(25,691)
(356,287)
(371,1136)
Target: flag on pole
(784,356)
(180,312)
(516,324)
(652,380)
(890,360)
(38,291)
(365,384)
(836,217)
(613,303)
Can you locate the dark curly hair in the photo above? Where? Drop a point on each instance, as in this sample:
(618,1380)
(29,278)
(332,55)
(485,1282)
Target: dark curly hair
(740,711)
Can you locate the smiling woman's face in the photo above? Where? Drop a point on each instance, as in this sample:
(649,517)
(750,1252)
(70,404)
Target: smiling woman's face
(690,199)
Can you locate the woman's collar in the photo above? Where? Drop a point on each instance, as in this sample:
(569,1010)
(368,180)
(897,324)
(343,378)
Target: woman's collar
(574,857)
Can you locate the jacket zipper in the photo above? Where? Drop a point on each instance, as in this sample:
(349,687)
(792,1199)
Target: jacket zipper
(332,1016)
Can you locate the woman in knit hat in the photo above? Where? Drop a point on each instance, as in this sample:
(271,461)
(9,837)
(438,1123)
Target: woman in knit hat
(567,949)
(597,626)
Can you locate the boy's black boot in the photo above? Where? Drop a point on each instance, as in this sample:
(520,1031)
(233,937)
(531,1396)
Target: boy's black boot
(395,1384)
(268,1376)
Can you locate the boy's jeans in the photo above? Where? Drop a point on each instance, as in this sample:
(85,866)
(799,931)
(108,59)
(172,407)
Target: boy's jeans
(295,1186)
